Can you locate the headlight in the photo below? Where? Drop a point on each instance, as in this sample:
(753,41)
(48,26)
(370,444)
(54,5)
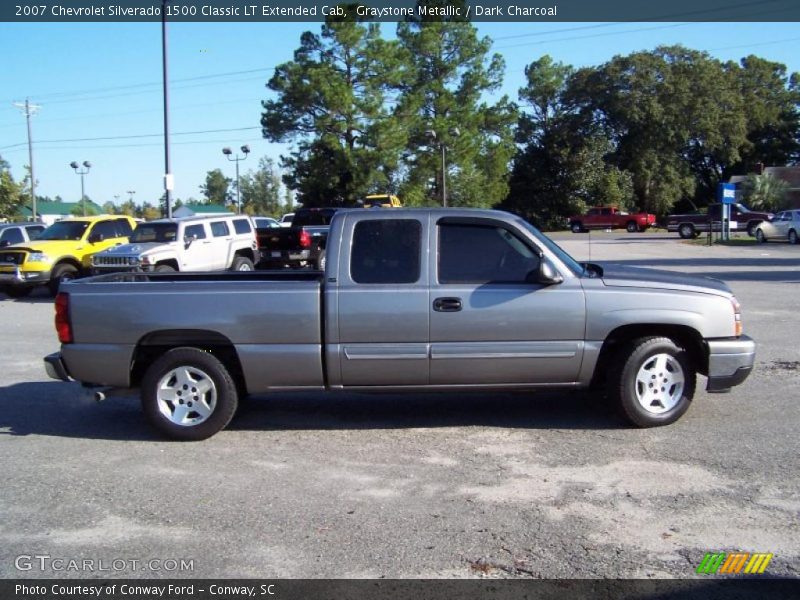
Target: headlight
(38,257)
(737,316)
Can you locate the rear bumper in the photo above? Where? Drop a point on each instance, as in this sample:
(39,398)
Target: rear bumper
(730,362)
(55,367)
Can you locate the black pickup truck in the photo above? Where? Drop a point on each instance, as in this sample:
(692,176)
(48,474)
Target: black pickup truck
(742,219)
(302,244)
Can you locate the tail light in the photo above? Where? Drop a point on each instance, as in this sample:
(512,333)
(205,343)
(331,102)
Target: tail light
(63,325)
(737,317)
(305,239)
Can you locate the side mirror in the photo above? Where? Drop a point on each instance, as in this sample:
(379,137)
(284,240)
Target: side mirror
(95,237)
(546,274)
(188,239)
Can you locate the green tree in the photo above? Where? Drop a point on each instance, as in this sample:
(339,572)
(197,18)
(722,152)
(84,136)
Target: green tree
(11,198)
(331,101)
(216,189)
(442,105)
(78,209)
(260,189)
(765,192)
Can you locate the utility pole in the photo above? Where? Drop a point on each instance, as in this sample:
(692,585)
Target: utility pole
(169,182)
(30,110)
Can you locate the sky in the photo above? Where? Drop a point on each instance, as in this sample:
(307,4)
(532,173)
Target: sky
(99,89)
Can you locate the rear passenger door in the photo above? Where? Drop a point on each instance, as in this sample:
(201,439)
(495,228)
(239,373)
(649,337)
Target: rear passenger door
(221,238)
(382,302)
(198,251)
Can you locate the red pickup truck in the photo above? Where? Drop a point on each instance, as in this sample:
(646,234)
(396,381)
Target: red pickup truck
(610,217)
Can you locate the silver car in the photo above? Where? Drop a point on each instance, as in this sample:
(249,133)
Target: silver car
(783,226)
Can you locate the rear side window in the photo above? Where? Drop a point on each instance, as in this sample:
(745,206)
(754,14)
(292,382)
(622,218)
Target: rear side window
(12,235)
(483,254)
(196,231)
(242,226)
(219,229)
(123,227)
(105,229)
(386,251)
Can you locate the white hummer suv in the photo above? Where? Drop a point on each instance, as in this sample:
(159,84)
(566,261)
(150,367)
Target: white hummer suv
(186,244)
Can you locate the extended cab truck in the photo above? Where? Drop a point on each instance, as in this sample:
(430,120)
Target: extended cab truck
(610,217)
(62,252)
(741,218)
(411,299)
(186,244)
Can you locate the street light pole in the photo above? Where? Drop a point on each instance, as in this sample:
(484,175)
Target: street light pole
(227,152)
(168,180)
(74,164)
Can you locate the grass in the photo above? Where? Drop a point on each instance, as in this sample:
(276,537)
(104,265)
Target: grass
(734,241)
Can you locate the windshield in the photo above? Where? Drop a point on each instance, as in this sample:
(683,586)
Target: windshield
(65,230)
(545,241)
(154,232)
(742,208)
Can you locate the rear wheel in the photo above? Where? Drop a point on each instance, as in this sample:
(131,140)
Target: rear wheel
(188,394)
(792,236)
(242,263)
(576,227)
(61,273)
(760,237)
(653,383)
(687,231)
(751,229)
(632,227)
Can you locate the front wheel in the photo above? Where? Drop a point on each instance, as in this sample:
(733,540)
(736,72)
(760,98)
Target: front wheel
(751,229)
(760,237)
(242,263)
(61,273)
(654,382)
(189,395)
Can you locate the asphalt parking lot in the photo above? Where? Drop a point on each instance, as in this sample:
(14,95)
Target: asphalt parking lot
(460,485)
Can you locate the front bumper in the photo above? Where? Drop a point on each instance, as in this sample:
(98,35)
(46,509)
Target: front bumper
(55,367)
(729,362)
(20,277)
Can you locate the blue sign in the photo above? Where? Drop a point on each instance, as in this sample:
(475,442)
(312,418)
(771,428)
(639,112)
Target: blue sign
(726,193)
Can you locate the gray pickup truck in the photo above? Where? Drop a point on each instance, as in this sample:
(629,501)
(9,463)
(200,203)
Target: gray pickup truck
(411,299)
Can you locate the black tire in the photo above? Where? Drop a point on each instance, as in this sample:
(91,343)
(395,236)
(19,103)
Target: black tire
(576,227)
(792,237)
(62,272)
(760,237)
(687,231)
(632,227)
(320,264)
(164,269)
(639,361)
(195,364)
(751,229)
(242,263)
(18,291)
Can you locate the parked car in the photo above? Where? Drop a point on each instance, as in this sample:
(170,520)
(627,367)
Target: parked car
(300,245)
(610,217)
(265,223)
(286,220)
(17,233)
(62,252)
(742,219)
(783,226)
(204,243)
(410,300)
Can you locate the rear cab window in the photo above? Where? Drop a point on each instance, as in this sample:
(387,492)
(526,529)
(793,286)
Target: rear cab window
(386,251)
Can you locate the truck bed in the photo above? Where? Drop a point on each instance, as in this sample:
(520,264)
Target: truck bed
(272,319)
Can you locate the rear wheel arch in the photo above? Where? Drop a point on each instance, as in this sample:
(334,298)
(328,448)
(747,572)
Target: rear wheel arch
(154,345)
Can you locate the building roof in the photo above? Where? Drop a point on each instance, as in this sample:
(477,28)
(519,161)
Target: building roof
(57,208)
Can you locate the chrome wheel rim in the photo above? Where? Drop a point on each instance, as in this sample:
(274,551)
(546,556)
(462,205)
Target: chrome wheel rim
(659,383)
(244,267)
(686,231)
(186,396)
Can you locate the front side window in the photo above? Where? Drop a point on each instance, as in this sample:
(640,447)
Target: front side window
(386,251)
(195,231)
(483,254)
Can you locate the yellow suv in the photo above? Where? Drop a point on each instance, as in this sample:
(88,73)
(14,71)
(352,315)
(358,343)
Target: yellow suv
(383,201)
(62,252)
